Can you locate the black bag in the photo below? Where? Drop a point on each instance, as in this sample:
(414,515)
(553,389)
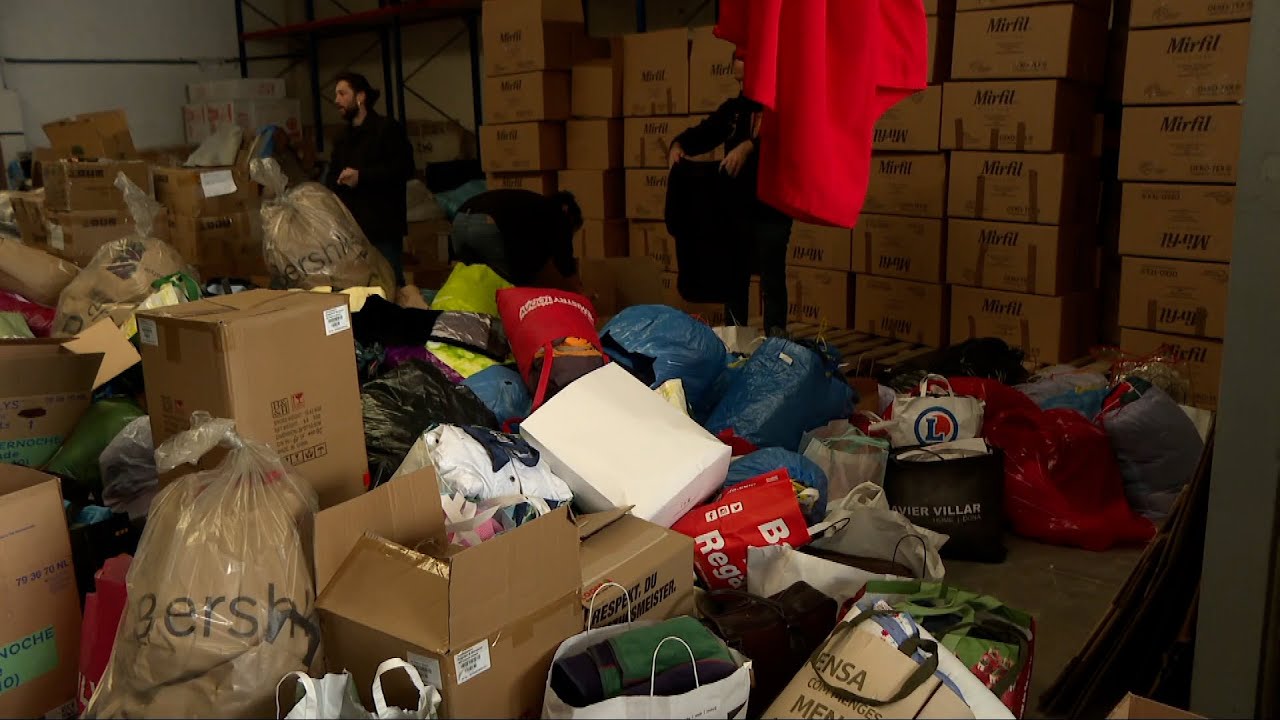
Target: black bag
(962,496)
(706,253)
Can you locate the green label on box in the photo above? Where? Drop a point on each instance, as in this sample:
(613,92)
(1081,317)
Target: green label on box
(27,658)
(29,452)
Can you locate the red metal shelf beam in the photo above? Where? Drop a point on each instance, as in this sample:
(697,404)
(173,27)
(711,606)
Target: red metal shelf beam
(406,13)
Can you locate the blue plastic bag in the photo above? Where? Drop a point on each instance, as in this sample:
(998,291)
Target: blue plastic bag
(800,468)
(502,391)
(451,200)
(659,343)
(782,391)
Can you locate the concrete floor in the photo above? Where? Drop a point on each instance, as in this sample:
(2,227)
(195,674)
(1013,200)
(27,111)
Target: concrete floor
(1067,590)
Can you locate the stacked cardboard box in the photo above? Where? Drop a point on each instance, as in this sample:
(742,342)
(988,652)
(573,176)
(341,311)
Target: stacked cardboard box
(593,157)
(249,103)
(1018,115)
(1180,144)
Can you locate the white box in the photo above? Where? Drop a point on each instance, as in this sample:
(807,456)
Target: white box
(252,115)
(236,89)
(617,443)
(195,123)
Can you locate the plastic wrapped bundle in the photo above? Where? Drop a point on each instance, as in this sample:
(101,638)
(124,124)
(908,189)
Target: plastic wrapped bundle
(310,239)
(128,469)
(122,273)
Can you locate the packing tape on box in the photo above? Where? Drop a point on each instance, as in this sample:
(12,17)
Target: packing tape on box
(1033,196)
(993,142)
(1020,140)
(959,134)
(1032,252)
(980,195)
(981,268)
(523,630)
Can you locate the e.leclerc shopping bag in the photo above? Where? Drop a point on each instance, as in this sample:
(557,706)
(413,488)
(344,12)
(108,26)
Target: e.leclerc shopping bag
(932,417)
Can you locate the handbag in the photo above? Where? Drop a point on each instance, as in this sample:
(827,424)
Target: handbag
(864,532)
(334,697)
(778,633)
(548,328)
(932,417)
(847,455)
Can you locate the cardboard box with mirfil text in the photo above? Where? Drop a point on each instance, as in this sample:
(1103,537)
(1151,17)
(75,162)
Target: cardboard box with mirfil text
(655,73)
(1048,329)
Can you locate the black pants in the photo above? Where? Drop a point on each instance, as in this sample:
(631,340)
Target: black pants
(393,250)
(765,252)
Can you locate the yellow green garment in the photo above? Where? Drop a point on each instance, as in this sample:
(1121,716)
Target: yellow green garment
(470,288)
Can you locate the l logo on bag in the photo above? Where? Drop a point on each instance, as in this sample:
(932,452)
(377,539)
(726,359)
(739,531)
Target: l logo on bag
(936,425)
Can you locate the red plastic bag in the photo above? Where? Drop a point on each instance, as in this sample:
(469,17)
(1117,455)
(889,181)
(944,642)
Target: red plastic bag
(103,609)
(759,512)
(39,318)
(536,320)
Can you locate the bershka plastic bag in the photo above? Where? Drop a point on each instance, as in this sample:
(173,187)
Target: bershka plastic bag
(311,240)
(934,416)
(122,273)
(334,697)
(221,595)
(659,343)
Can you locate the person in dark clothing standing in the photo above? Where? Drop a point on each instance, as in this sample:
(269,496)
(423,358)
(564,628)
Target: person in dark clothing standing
(371,162)
(524,236)
(736,125)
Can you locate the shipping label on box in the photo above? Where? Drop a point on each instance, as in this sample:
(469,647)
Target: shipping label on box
(1022,187)
(652,564)
(1160,13)
(601,239)
(593,144)
(544,183)
(899,247)
(527,97)
(647,140)
(523,147)
(1200,359)
(711,79)
(1019,115)
(653,240)
(1181,222)
(600,193)
(912,124)
(71,185)
(184,190)
(597,89)
(901,309)
(1049,41)
(1019,257)
(819,297)
(1197,64)
(1196,143)
(655,69)
(906,184)
(646,194)
(1173,296)
(1048,329)
(819,246)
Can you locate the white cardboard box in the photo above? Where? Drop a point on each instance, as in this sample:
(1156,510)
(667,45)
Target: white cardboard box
(236,89)
(195,123)
(252,115)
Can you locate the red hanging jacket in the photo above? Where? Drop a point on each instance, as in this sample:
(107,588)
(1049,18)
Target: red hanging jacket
(825,70)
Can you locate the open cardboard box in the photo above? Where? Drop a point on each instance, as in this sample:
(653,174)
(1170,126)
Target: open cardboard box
(653,564)
(91,136)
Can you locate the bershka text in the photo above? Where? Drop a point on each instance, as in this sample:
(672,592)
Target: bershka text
(992,306)
(984,98)
(1184,124)
(1008,238)
(331,253)
(1009,24)
(547,300)
(1185,44)
(242,616)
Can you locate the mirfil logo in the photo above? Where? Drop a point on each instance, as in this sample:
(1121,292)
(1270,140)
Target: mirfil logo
(936,425)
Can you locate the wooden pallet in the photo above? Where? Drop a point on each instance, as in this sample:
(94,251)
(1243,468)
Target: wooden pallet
(863,354)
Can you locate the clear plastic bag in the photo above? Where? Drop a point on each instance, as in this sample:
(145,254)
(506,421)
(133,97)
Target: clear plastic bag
(32,273)
(128,468)
(122,273)
(311,240)
(221,593)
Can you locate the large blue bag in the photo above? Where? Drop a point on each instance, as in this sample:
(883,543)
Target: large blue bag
(502,391)
(659,343)
(800,468)
(782,391)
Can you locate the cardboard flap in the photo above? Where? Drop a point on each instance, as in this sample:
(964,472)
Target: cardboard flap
(92,135)
(1136,706)
(43,373)
(513,575)
(15,477)
(105,338)
(589,525)
(405,510)
(239,305)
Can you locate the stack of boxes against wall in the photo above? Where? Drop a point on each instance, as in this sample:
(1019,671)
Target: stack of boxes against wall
(426,247)
(1180,142)
(1019,117)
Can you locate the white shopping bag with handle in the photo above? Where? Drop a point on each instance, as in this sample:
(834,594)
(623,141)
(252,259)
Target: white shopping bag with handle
(934,416)
(333,697)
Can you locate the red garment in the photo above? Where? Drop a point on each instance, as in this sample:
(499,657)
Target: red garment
(844,62)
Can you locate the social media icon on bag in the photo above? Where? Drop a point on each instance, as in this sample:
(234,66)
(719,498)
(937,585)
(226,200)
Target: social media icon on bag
(936,425)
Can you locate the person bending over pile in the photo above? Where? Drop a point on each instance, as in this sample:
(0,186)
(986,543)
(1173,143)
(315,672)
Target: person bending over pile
(524,236)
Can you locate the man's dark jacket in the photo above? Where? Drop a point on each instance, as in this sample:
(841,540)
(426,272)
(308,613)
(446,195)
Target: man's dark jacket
(379,149)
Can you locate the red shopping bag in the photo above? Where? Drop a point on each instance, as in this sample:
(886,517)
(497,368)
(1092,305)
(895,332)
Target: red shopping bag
(537,321)
(759,512)
(103,609)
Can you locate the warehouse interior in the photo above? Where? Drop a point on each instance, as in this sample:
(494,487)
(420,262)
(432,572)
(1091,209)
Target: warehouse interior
(1001,370)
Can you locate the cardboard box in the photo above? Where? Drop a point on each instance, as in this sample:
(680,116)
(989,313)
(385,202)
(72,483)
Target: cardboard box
(1018,115)
(912,124)
(655,73)
(77,236)
(428,242)
(711,314)
(819,297)
(526,97)
(92,136)
(186,191)
(280,364)
(900,247)
(647,140)
(481,623)
(1160,13)
(195,124)
(44,389)
(253,115)
(1198,143)
(523,36)
(600,239)
(651,239)
(545,183)
(967,5)
(711,79)
(652,563)
(1174,296)
(523,147)
(618,283)
(593,144)
(901,309)
(903,184)
(1181,222)
(819,246)
(1048,329)
(1046,41)
(1136,706)
(436,141)
(236,89)
(1036,259)
(29,215)
(940,33)
(597,89)
(216,243)
(1022,187)
(74,185)
(646,194)
(1201,360)
(1198,64)
(600,193)
(41,605)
